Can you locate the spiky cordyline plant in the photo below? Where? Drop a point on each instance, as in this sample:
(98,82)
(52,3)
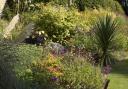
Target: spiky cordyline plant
(105,30)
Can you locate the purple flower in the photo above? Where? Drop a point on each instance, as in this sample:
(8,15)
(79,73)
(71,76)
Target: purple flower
(63,51)
(107,69)
(54,78)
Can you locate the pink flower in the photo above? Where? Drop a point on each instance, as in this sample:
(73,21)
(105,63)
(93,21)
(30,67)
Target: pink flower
(107,69)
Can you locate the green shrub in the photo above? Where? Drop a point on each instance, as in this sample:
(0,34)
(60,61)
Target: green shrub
(82,40)
(20,56)
(114,6)
(3,24)
(121,42)
(66,73)
(15,59)
(121,20)
(44,70)
(8,78)
(91,4)
(57,22)
(78,74)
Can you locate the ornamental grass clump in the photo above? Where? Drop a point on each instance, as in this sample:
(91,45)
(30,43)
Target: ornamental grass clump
(105,31)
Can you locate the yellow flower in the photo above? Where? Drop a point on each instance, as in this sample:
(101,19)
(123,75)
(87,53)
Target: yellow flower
(57,74)
(42,32)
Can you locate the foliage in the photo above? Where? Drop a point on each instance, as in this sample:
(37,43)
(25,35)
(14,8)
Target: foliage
(8,79)
(3,24)
(78,74)
(82,40)
(45,70)
(105,29)
(66,73)
(36,68)
(20,56)
(115,6)
(60,24)
(87,19)
(91,4)
(57,22)
(121,41)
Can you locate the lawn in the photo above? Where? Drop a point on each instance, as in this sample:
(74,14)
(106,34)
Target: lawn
(119,76)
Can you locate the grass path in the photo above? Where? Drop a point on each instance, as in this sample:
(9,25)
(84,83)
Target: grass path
(119,76)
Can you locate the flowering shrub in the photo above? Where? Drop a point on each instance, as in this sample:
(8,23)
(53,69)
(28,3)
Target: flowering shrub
(60,24)
(51,71)
(78,74)
(57,22)
(47,71)
(66,73)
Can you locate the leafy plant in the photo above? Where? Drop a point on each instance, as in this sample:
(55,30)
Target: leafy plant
(66,72)
(57,22)
(19,58)
(105,30)
(120,42)
(82,40)
(92,4)
(78,74)
(8,78)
